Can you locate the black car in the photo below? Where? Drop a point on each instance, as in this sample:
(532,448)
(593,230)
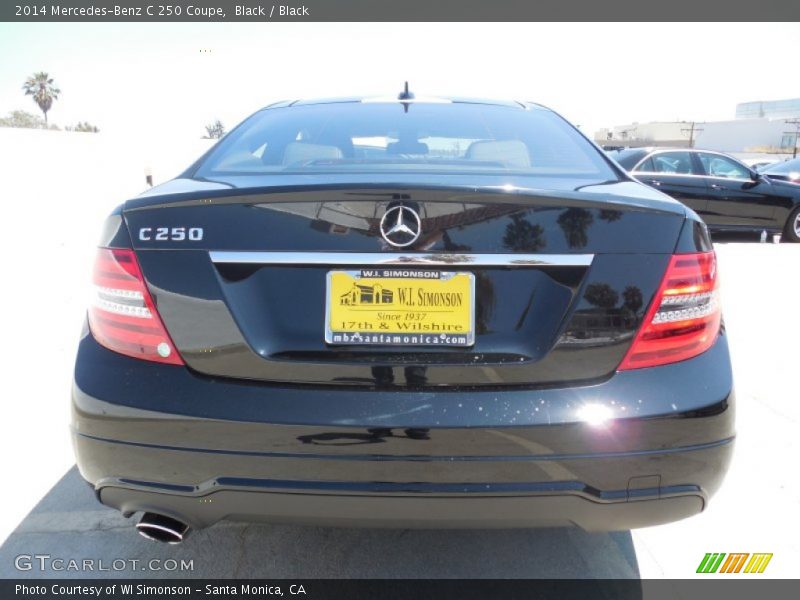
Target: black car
(788,170)
(399,312)
(727,194)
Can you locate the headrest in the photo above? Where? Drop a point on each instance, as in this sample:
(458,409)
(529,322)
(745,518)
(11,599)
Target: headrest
(407,147)
(512,153)
(301,152)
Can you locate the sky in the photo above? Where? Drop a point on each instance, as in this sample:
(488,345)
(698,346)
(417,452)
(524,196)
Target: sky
(144,79)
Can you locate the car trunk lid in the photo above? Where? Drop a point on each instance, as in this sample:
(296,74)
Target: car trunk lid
(555,283)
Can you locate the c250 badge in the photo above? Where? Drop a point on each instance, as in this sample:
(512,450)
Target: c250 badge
(170,234)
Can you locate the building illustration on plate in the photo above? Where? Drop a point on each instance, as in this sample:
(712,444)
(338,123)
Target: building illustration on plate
(366,294)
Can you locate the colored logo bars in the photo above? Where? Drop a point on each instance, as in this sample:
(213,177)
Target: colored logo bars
(713,563)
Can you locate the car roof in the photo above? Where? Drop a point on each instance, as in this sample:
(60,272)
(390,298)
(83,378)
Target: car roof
(783,164)
(650,149)
(520,105)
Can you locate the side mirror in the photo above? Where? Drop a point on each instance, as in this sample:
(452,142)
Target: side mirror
(755,179)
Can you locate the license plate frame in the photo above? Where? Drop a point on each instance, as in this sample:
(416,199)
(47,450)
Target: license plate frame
(455,287)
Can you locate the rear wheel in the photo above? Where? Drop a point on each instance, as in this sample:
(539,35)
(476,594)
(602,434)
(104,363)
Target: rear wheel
(793,226)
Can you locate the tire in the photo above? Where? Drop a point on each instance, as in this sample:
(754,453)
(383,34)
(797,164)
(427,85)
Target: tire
(792,231)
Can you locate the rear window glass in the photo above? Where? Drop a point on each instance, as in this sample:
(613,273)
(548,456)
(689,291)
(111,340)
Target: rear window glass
(627,158)
(789,166)
(422,137)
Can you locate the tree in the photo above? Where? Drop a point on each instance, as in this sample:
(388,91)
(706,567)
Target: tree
(21,118)
(574,222)
(633,298)
(523,236)
(610,215)
(83,126)
(601,295)
(215,130)
(40,85)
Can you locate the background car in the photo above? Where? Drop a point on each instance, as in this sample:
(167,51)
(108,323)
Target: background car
(727,194)
(784,171)
(759,163)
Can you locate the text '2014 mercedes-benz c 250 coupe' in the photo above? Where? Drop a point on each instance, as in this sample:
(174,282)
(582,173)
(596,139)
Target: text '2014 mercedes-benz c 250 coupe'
(405,312)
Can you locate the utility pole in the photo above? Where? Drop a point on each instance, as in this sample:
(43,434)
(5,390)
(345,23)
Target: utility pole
(796,132)
(692,130)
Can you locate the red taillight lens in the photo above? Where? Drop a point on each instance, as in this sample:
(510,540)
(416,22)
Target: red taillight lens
(122,316)
(684,318)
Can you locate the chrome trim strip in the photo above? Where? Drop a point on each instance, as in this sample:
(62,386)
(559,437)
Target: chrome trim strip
(405,258)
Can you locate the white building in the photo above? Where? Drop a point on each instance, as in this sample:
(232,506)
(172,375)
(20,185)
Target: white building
(746,135)
(656,133)
(770,109)
(759,127)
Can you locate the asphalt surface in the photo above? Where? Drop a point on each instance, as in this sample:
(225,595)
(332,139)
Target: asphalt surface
(756,510)
(69,523)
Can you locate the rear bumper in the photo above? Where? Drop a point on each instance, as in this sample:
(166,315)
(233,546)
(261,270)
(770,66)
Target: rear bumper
(437,512)
(160,439)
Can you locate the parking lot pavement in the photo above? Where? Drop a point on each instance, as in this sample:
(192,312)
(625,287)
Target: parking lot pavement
(756,510)
(69,523)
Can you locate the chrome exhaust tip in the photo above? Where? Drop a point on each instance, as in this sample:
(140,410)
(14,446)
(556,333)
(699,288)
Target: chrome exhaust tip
(160,528)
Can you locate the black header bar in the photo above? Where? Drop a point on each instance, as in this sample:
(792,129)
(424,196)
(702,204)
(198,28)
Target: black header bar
(153,11)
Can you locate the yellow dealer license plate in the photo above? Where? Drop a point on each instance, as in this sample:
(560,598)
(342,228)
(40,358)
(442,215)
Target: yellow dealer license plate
(400,307)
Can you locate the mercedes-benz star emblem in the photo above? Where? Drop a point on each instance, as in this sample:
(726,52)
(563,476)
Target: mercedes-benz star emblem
(401,226)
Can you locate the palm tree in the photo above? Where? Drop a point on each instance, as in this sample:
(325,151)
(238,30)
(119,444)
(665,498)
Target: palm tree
(215,130)
(40,86)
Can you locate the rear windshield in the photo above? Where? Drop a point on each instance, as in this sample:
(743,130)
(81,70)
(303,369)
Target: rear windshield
(627,158)
(421,137)
(789,166)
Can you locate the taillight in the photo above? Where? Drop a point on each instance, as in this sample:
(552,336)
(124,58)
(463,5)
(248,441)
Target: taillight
(122,316)
(684,318)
